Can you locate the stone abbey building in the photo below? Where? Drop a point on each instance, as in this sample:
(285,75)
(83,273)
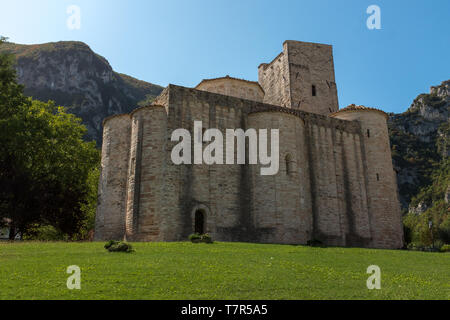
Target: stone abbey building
(335,183)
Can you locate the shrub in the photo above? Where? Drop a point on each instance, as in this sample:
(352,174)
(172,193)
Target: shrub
(445,248)
(109,244)
(197,238)
(416,246)
(118,246)
(44,233)
(206,238)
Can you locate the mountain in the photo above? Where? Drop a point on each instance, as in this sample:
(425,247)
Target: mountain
(74,76)
(420,149)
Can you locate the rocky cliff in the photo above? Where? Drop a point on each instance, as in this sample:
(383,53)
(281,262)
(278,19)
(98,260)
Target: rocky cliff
(72,75)
(420,142)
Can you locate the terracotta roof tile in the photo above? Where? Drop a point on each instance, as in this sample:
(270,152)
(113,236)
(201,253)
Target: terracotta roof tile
(232,78)
(354,107)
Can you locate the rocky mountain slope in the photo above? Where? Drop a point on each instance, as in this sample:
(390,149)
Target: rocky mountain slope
(420,144)
(72,75)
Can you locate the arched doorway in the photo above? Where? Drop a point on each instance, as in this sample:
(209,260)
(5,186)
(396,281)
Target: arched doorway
(199,224)
(202,218)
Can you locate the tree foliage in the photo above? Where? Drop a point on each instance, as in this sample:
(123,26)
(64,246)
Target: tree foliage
(418,229)
(46,169)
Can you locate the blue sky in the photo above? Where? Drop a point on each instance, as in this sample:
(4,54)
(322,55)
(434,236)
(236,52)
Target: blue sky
(184,41)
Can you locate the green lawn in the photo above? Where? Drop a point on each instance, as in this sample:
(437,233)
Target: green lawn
(219,271)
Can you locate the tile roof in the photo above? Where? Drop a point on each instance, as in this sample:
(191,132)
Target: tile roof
(354,107)
(232,78)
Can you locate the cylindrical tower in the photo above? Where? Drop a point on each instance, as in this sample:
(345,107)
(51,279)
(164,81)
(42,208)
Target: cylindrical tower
(383,203)
(281,203)
(145,218)
(110,217)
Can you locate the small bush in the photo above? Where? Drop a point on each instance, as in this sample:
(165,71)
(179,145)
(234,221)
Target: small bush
(44,233)
(195,236)
(417,246)
(109,244)
(445,248)
(206,238)
(198,238)
(118,246)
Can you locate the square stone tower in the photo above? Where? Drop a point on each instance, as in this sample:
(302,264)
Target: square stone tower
(301,77)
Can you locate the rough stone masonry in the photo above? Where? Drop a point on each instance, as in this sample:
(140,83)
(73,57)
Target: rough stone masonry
(336,183)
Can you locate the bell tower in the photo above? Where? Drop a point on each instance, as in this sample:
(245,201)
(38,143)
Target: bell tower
(301,77)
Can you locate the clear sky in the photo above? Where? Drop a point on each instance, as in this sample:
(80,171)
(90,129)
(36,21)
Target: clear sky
(184,41)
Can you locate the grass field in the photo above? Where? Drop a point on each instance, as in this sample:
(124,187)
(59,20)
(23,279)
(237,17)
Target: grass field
(218,271)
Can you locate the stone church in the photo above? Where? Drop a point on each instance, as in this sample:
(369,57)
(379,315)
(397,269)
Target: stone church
(335,183)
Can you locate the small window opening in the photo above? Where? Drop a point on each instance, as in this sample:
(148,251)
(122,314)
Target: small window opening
(289,165)
(314,91)
(368,133)
(378,177)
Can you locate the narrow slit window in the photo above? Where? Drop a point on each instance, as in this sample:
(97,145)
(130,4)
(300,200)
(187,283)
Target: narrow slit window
(314,91)
(378,177)
(289,165)
(368,133)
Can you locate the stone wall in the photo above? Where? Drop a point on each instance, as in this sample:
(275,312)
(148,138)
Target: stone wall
(146,183)
(382,195)
(281,204)
(110,218)
(273,78)
(217,189)
(326,183)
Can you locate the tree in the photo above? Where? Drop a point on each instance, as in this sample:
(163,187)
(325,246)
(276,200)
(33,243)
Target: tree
(45,166)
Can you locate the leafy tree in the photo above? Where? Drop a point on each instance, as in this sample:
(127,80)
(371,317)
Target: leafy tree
(46,168)
(89,206)
(417,227)
(10,91)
